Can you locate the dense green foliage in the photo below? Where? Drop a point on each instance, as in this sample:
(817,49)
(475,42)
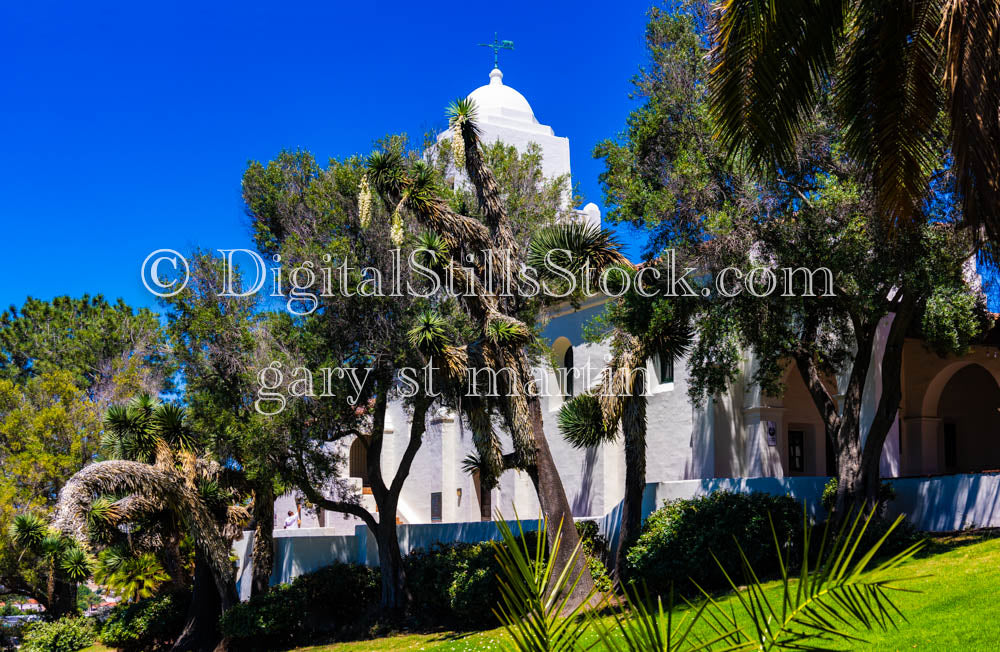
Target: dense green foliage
(61,363)
(150,624)
(89,338)
(63,635)
(456,585)
(334,601)
(453,585)
(679,540)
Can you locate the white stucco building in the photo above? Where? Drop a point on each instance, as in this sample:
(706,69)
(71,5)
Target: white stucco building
(948,422)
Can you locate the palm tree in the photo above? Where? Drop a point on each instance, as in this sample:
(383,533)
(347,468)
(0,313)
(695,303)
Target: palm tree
(593,418)
(411,189)
(65,564)
(160,490)
(894,67)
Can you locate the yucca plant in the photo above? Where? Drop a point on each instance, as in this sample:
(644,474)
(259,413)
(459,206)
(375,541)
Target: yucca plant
(641,328)
(131,576)
(60,555)
(535,592)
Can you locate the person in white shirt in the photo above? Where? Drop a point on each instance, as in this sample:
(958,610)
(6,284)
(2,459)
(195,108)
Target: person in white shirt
(292,521)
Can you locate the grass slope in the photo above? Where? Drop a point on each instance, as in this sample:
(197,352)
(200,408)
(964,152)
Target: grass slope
(955,609)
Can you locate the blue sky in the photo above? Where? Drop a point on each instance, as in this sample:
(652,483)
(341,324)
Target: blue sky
(125,127)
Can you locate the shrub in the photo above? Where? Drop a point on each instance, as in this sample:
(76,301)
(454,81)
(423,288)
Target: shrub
(679,540)
(595,549)
(63,635)
(336,600)
(453,585)
(150,624)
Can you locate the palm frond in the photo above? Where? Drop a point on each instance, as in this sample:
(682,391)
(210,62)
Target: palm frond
(769,62)
(971,31)
(641,625)
(888,93)
(582,424)
(534,599)
(572,244)
(837,600)
(28,530)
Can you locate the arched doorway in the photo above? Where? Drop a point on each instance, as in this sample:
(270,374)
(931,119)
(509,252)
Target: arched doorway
(969,409)
(358,464)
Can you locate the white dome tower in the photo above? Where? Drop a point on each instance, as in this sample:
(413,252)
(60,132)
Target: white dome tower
(504,114)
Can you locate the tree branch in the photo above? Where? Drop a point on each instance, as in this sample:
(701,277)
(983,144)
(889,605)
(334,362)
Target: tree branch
(341,506)
(417,428)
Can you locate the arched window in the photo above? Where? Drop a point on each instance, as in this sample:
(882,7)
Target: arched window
(568,370)
(359,461)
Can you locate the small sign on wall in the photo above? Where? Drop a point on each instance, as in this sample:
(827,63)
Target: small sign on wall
(772,433)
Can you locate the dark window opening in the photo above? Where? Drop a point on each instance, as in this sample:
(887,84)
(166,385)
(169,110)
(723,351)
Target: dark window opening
(666,369)
(483,495)
(358,464)
(436,507)
(796,451)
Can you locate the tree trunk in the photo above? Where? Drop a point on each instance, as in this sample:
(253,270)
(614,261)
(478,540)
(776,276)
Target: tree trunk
(848,471)
(634,433)
(172,564)
(63,601)
(201,625)
(557,512)
(263,540)
(394,595)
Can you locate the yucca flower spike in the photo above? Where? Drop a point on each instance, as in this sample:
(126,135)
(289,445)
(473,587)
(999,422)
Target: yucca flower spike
(364,202)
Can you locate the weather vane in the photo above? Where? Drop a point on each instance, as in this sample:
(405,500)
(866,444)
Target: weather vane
(496,46)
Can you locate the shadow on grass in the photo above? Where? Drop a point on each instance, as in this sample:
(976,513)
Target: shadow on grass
(942,542)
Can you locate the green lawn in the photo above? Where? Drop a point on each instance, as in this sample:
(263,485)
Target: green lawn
(955,611)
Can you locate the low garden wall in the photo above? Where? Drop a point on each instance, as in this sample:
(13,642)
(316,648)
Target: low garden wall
(934,504)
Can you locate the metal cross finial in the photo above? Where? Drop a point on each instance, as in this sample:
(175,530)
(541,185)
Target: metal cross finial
(496,46)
